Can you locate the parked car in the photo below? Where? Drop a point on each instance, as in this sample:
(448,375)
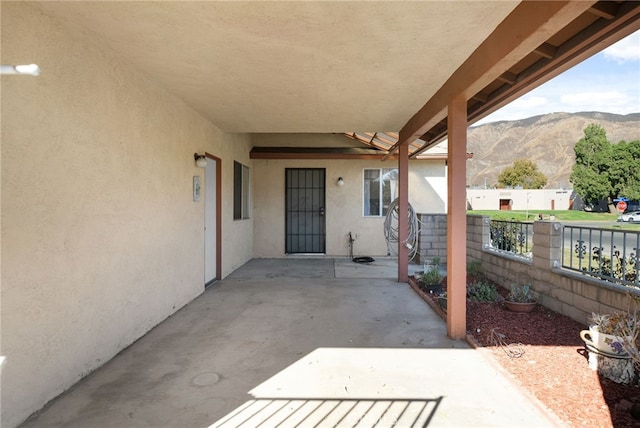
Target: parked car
(630,216)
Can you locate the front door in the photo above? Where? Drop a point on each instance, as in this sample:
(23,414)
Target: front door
(305,198)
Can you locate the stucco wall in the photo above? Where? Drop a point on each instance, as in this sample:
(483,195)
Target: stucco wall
(237,242)
(344,206)
(101,239)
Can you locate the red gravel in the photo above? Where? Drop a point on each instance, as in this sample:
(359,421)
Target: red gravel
(553,366)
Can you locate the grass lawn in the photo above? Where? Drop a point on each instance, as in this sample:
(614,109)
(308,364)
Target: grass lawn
(569,215)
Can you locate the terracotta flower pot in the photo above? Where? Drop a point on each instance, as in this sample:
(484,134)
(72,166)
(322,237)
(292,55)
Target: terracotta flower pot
(519,307)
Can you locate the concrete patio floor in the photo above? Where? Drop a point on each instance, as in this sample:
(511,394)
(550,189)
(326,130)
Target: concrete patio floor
(298,342)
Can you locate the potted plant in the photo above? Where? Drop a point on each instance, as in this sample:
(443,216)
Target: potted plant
(431,280)
(521,298)
(609,334)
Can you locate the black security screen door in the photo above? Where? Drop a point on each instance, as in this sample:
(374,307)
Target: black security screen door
(305,225)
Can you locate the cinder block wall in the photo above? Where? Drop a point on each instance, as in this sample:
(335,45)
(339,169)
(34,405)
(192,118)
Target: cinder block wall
(433,237)
(565,292)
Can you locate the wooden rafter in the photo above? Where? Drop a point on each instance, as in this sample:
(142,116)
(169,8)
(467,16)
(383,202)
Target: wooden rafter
(595,26)
(534,22)
(602,32)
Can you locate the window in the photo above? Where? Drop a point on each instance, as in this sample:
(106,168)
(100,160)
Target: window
(240,191)
(380,189)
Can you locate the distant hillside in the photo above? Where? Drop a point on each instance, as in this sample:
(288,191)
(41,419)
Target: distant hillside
(548,140)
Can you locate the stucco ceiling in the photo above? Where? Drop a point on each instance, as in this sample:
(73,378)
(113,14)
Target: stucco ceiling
(315,66)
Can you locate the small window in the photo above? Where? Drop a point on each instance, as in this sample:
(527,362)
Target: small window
(241,188)
(380,188)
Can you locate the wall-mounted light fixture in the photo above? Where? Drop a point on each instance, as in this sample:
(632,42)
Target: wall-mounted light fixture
(201,160)
(340,182)
(27,69)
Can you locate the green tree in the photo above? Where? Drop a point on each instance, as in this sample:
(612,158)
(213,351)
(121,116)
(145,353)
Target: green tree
(605,170)
(593,157)
(523,173)
(624,170)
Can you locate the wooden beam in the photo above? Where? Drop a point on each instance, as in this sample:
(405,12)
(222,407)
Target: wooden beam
(457,220)
(546,50)
(403,210)
(526,28)
(481,96)
(351,153)
(508,77)
(607,10)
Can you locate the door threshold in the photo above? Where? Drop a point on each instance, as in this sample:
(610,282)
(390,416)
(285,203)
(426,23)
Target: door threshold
(306,255)
(211,283)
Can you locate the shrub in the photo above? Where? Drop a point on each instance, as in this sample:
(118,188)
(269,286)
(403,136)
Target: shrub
(521,293)
(482,292)
(432,277)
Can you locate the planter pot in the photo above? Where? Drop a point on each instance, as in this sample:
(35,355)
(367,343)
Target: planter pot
(607,356)
(442,302)
(432,288)
(520,307)
(602,342)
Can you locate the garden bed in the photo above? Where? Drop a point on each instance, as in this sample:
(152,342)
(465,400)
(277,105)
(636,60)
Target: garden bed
(543,352)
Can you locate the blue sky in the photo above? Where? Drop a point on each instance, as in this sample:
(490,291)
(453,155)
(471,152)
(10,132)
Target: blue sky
(608,82)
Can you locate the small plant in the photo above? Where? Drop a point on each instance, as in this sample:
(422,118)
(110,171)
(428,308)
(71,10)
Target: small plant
(432,276)
(615,324)
(521,293)
(630,330)
(482,292)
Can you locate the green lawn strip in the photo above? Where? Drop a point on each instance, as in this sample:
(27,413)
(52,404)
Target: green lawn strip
(568,215)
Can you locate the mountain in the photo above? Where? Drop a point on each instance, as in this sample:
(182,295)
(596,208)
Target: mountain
(547,140)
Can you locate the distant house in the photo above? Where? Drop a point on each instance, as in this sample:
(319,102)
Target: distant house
(519,199)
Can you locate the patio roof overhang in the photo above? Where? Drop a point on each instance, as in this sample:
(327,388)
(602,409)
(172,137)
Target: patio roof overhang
(335,67)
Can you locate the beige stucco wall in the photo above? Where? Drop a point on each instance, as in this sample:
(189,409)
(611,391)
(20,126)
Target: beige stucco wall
(344,207)
(101,239)
(237,241)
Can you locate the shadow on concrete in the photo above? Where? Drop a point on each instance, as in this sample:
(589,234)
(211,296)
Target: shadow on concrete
(332,412)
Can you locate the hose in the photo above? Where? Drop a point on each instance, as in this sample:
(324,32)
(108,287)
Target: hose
(391,230)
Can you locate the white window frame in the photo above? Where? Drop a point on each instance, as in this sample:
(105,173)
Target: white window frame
(389,175)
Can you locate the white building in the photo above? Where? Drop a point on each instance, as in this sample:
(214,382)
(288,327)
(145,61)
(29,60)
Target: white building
(518,199)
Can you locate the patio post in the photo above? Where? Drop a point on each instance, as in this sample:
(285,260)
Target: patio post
(457,219)
(403,209)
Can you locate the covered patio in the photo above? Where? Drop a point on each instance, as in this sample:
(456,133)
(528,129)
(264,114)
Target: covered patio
(302,342)
(110,226)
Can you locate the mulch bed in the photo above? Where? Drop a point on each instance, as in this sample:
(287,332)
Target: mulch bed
(543,352)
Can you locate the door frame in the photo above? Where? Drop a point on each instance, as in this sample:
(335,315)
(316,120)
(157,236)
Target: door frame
(324,202)
(218,244)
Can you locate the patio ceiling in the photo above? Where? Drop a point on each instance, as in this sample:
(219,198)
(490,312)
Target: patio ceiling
(326,67)
(289,67)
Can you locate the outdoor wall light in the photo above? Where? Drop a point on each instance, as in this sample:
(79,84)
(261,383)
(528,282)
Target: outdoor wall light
(201,160)
(340,182)
(28,69)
